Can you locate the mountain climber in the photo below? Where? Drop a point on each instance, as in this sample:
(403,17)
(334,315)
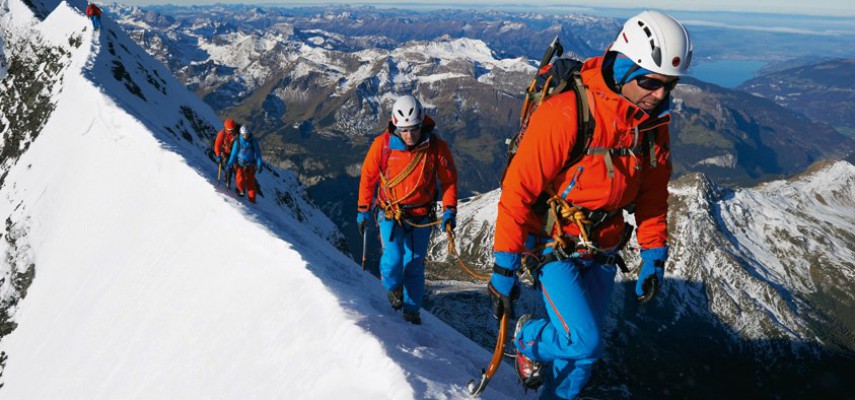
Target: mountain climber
(223,147)
(574,242)
(246,153)
(94,14)
(408,158)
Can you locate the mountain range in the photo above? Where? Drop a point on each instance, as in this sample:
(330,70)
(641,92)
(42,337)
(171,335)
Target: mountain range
(318,82)
(128,272)
(823,91)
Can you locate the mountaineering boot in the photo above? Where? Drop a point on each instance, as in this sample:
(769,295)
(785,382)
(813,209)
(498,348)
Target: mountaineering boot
(396,298)
(413,317)
(240,193)
(529,372)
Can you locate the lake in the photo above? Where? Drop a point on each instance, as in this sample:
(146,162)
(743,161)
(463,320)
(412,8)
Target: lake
(726,73)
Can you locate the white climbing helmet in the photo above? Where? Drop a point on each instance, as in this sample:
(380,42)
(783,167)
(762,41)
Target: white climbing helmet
(407,111)
(657,42)
(244,131)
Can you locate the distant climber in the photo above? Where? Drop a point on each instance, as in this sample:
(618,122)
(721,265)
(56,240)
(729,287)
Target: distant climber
(245,157)
(567,213)
(94,13)
(408,159)
(223,148)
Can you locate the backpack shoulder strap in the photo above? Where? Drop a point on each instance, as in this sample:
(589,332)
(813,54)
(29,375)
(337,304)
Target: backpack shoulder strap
(585,123)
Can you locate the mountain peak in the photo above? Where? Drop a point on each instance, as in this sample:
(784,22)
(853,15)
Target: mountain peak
(446,48)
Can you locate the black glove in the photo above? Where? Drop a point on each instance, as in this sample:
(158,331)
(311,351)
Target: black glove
(502,303)
(361,219)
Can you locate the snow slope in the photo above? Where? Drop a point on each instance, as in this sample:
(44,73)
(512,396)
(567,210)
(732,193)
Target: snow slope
(149,283)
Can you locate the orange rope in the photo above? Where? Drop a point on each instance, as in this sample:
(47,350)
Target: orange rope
(453,250)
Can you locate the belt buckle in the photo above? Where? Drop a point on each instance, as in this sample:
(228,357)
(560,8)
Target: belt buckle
(610,260)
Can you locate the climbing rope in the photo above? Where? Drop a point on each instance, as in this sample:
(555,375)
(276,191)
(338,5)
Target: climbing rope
(453,250)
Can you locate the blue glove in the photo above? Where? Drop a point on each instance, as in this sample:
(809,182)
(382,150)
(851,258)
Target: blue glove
(362,218)
(449,218)
(218,159)
(652,273)
(504,289)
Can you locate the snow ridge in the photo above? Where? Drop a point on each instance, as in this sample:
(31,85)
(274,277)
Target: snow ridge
(150,284)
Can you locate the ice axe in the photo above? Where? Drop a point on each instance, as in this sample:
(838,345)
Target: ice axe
(364,245)
(486,374)
(555,48)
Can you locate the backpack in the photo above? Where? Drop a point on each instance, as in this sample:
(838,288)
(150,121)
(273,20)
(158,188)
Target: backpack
(227,142)
(552,78)
(246,154)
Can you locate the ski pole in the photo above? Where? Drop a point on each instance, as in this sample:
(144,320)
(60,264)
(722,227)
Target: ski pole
(219,172)
(364,245)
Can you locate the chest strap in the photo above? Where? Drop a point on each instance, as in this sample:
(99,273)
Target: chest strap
(390,183)
(616,152)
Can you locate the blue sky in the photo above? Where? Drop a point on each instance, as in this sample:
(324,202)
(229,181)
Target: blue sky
(837,8)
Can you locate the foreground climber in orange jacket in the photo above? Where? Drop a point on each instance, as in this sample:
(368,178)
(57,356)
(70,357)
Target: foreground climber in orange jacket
(407,160)
(626,166)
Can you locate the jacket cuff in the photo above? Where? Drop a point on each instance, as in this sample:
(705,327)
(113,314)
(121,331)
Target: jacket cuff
(658,253)
(507,260)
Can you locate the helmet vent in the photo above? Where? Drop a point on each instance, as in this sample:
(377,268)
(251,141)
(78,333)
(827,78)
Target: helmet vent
(657,55)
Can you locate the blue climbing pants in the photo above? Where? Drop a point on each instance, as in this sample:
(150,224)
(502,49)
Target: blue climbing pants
(576,296)
(403,260)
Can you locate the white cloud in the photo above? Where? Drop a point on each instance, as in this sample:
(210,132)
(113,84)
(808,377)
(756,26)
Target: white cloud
(773,29)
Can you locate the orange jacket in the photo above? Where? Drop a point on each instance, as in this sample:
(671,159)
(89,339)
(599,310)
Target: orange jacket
(417,192)
(223,143)
(550,136)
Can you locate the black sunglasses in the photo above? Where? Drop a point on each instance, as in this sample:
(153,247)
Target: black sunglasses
(648,83)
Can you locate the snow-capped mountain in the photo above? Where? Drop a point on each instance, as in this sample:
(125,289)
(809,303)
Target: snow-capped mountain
(319,82)
(764,275)
(127,273)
